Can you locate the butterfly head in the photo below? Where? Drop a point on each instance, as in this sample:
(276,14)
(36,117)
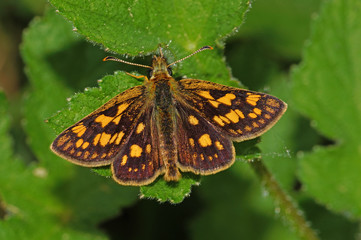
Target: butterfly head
(160,67)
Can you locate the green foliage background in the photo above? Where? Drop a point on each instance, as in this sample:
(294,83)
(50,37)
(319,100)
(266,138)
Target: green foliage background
(304,52)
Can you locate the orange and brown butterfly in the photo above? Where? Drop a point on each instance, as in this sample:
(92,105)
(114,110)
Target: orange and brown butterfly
(167,126)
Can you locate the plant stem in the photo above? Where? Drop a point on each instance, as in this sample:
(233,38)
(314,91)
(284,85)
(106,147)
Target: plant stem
(287,207)
(2,209)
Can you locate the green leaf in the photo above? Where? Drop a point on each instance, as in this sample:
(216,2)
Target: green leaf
(277,145)
(173,192)
(134,27)
(6,143)
(280,27)
(326,88)
(234,202)
(26,201)
(138,28)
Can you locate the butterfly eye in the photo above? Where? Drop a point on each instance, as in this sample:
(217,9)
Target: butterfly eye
(150,73)
(170,71)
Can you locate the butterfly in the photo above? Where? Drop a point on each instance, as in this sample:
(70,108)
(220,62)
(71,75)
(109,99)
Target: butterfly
(168,126)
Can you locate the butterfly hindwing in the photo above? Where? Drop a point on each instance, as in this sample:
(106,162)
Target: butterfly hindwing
(201,149)
(237,113)
(138,163)
(96,139)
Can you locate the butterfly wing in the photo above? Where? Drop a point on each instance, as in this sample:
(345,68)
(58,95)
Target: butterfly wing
(201,149)
(121,133)
(210,115)
(138,163)
(237,113)
(97,139)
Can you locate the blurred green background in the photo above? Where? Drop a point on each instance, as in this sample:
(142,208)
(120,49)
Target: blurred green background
(291,49)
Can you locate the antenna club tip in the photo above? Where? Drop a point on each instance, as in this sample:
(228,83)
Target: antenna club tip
(106,59)
(207,47)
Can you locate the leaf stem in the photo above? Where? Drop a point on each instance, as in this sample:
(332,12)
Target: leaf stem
(284,204)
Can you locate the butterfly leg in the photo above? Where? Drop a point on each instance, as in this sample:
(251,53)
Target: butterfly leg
(138,77)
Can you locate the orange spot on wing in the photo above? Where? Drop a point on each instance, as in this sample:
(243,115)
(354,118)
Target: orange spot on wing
(61,140)
(79,143)
(239,113)
(273,103)
(119,138)
(68,145)
(79,130)
(124,160)
(252,115)
(248,128)
(135,151)
(205,140)
(252,99)
(140,128)
(218,120)
(214,103)
(148,148)
(85,145)
(219,146)
(104,139)
(86,154)
(261,121)
(103,120)
(270,110)
(257,111)
(96,139)
(233,116)
(193,120)
(122,107)
(117,119)
(113,138)
(227,99)
(205,94)
(224,119)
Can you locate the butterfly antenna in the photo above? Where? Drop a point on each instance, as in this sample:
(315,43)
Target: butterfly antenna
(190,55)
(109,58)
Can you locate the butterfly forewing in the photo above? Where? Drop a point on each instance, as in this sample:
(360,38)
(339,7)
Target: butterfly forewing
(96,139)
(201,149)
(237,113)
